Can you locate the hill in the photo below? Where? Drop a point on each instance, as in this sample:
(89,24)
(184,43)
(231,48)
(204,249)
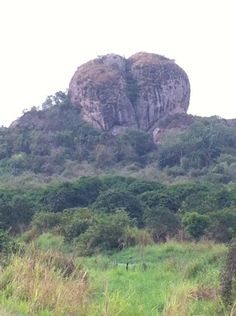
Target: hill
(120,116)
(54,142)
(89,191)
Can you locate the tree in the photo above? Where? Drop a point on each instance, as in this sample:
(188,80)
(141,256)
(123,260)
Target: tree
(111,200)
(88,189)
(223,224)
(161,198)
(76,221)
(140,186)
(162,223)
(105,156)
(195,224)
(170,155)
(58,198)
(140,142)
(15,212)
(106,233)
(59,98)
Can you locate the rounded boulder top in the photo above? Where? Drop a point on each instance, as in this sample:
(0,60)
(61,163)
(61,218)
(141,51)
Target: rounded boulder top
(116,93)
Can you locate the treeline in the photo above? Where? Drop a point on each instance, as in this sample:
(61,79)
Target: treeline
(112,212)
(52,139)
(44,139)
(207,147)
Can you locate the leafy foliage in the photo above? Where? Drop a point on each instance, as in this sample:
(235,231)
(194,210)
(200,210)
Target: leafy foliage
(162,223)
(52,142)
(111,200)
(200,145)
(106,233)
(196,224)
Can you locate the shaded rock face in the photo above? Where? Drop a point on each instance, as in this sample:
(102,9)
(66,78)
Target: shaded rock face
(115,93)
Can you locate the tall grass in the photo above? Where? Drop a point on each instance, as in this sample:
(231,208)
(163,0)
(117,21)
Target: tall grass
(172,279)
(167,280)
(46,281)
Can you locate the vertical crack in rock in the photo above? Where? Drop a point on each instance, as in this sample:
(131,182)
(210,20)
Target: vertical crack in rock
(132,90)
(115,93)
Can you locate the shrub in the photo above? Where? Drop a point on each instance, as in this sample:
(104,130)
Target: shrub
(140,141)
(76,222)
(7,243)
(111,200)
(223,224)
(45,221)
(8,246)
(195,224)
(133,236)
(161,222)
(106,233)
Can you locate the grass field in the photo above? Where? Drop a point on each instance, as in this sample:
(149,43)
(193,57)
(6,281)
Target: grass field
(172,279)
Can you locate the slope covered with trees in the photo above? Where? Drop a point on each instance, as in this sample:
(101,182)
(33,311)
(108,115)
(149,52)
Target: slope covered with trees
(53,141)
(115,211)
(67,188)
(189,185)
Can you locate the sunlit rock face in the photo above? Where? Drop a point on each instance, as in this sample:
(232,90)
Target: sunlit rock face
(115,93)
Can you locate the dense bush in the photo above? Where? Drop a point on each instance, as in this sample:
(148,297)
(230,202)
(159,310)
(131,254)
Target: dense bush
(111,200)
(76,222)
(106,233)
(223,224)
(8,246)
(200,145)
(162,223)
(75,209)
(196,224)
(52,138)
(16,211)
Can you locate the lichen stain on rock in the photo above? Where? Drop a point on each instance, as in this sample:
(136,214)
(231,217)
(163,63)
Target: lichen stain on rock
(116,93)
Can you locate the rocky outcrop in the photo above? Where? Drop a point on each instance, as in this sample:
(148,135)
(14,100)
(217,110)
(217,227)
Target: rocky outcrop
(115,93)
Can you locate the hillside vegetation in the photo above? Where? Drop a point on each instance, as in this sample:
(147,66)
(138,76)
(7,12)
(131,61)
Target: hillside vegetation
(54,142)
(93,223)
(115,210)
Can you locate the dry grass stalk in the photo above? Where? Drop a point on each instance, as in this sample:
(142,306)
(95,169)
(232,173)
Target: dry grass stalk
(45,282)
(178,304)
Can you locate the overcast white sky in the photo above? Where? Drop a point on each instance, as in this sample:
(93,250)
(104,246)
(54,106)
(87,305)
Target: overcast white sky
(44,41)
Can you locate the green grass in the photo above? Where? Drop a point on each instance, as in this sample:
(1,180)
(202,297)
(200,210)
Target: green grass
(168,280)
(158,279)
(52,242)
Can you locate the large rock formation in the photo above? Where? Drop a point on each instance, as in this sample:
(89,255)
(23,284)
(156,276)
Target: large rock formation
(115,93)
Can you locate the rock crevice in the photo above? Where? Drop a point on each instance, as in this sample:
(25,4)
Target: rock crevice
(116,93)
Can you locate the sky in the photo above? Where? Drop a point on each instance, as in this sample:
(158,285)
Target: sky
(44,41)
